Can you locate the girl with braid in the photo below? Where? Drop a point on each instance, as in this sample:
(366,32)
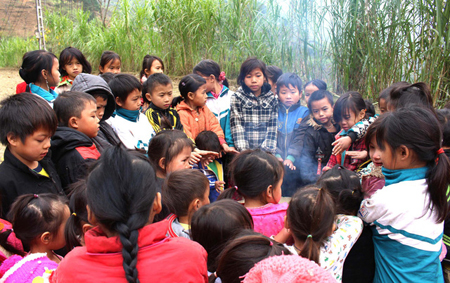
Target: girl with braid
(124,247)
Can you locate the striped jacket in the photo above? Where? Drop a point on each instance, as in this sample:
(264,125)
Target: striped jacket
(156,114)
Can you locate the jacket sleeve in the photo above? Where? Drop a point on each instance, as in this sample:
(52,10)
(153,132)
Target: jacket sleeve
(227,130)
(332,161)
(270,142)
(308,161)
(214,124)
(359,130)
(236,124)
(184,118)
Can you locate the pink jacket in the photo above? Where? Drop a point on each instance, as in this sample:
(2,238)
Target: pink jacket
(269,219)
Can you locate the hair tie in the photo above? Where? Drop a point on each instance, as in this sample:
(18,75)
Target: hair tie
(353,192)
(271,243)
(215,274)
(74,214)
(35,196)
(440,151)
(309,236)
(236,188)
(183,83)
(222,76)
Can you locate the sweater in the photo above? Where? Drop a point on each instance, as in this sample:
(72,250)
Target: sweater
(220,107)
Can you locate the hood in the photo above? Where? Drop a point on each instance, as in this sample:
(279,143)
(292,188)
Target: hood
(184,106)
(87,83)
(65,139)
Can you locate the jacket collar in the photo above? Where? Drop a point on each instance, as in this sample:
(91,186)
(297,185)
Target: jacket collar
(154,107)
(184,106)
(19,165)
(222,93)
(289,109)
(313,123)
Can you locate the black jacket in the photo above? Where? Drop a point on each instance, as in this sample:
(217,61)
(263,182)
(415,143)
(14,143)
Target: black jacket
(73,152)
(17,179)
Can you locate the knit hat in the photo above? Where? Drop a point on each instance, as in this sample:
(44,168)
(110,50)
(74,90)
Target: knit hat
(287,269)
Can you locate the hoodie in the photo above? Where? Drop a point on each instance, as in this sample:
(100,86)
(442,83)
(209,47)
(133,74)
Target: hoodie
(90,83)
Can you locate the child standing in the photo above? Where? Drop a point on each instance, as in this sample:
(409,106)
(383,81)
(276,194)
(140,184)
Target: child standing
(254,109)
(416,170)
(27,123)
(312,86)
(110,63)
(273,73)
(151,65)
(72,63)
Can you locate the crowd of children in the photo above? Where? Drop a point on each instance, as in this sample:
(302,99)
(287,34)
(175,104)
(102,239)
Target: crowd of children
(111,178)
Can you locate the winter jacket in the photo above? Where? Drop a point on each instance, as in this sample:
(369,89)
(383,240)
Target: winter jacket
(17,179)
(155,114)
(289,119)
(73,152)
(254,119)
(220,106)
(160,259)
(89,83)
(196,121)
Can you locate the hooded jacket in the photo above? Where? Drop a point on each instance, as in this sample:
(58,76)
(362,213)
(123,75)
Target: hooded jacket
(89,83)
(73,152)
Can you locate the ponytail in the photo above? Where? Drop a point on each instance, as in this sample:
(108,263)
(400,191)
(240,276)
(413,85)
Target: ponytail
(438,181)
(73,232)
(230,193)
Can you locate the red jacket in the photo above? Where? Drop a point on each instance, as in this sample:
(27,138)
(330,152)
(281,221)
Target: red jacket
(160,259)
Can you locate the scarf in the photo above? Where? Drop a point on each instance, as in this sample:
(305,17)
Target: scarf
(49,95)
(130,115)
(401,175)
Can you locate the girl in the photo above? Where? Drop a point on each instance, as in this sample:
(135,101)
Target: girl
(254,109)
(110,63)
(404,95)
(194,114)
(349,109)
(122,201)
(150,65)
(258,176)
(38,221)
(318,234)
(40,71)
(184,192)
(273,73)
(73,63)
(408,213)
(215,224)
(312,86)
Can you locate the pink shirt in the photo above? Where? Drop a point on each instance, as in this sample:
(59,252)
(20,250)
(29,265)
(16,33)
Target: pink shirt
(269,219)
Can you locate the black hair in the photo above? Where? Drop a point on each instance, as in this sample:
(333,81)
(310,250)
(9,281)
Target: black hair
(70,104)
(253,171)
(99,93)
(208,140)
(321,85)
(181,188)
(189,83)
(67,55)
(213,225)
(123,84)
(148,62)
(107,77)
(108,56)
(34,62)
(73,231)
(405,95)
(209,67)
(287,79)
(345,188)
(243,252)
(153,81)
(310,216)
(319,95)
(273,73)
(444,119)
(32,215)
(349,101)
(370,109)
(248,66)
(418,129)
(24,113)
(167,144)
(121,189)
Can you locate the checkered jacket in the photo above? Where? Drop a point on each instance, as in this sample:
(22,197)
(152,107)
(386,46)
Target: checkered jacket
(254,119)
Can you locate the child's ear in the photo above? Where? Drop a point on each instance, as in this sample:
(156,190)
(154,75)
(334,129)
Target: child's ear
(286,223)
(73,122)
(86,227)
(269,192)
(148,96)
(362,113)
(46,238)
(403,152)
(147,72)
(191,95)
(118,101)
(100,68)
(212,77)
(12,139)
(44,73)
(157,206)
(91,217)
(162,163)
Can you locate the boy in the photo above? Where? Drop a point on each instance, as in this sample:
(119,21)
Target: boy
(72,146)
(99,89)
(27,123)
(157,90)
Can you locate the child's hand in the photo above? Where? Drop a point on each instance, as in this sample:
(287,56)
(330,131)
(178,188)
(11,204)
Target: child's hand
(357,154)
(195,158)
(219,186)
(228,149)
(289,164)
(206,156)
(280,159)
(340,145)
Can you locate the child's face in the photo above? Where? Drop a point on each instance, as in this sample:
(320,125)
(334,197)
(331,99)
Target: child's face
(289,95)
(101,106)
(181,161)
(199,97)
(205,199)
(383,105)
(350,118)
(133,101)
(255,80)
(161,96)
(58,241)
(33,149)
(309,90)
(277,191)
(210,82)
(385,157)
(73,68)
(88,123)
(112,66)
(322,111)
(155,68)
(53,78)
(375,152)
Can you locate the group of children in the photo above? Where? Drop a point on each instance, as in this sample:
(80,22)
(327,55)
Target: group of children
(116,175)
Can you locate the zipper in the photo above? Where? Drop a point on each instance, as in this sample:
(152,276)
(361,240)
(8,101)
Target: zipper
(285,137)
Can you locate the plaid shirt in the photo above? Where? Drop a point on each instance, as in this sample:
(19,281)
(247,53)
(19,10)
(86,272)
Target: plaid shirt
(349,163)
(254,120)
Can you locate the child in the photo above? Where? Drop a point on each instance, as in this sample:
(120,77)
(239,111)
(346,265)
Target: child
(273,73)
(349,109)
(72,63)
(318,234)
(110,63)
(72,147)
(40,71)
(404,95)
(27,123)
(254,109)
(184,192)
(150,65)
(208,140)
(370,109)
(213,225)
(258,176)
(157,93)
(415,167)
(313,86)
(130,125)
(38,221)
(99,89)
(122,201)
